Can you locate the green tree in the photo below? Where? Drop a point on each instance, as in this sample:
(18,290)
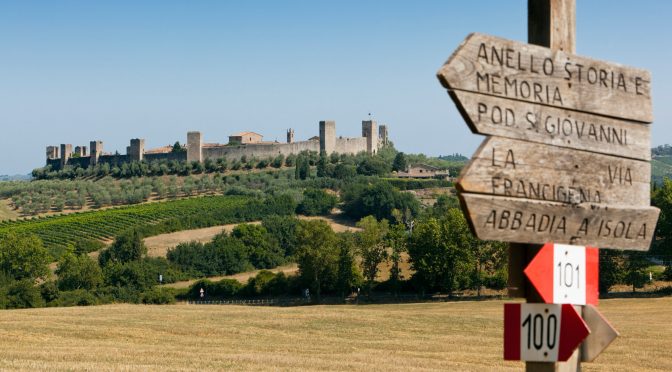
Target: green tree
(439,251)
(23,257)
(126,248)
(317,255)
(400,162)
(264,251)
(635,269)
(397,239)
(78,272)
(371,246)
(373,166)
(283,229)
(348,276)
(379,199)
(177,148)
(322,165)
(612,269)
(662,244)
(316,202)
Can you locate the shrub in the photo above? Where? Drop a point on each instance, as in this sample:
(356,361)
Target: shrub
(78,297)
(316,202)
(24,294)
(158,296)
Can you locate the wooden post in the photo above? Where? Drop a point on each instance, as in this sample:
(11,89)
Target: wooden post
(550,23)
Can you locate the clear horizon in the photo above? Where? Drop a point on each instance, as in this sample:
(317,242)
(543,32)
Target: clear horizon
(73,71)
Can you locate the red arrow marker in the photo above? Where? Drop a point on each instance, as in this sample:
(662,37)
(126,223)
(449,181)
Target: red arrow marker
(542,332)
(565,274)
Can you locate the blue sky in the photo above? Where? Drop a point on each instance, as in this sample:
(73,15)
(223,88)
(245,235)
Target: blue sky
(74,71)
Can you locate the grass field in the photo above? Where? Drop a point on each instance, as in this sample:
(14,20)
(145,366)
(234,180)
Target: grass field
(436,336)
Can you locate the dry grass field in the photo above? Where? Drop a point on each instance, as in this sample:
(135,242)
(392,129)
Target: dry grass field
(407,337)
(6,211)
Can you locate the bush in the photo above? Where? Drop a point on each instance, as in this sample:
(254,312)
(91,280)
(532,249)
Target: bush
(316,202)
(24,294)
(225,288)
(78,297)
(135,275)
(497,281)
(158,296)
(223,256)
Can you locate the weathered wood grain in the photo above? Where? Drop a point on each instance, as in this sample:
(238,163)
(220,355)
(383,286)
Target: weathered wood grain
(521,169)
(500,67)
(530,221)
(504,117)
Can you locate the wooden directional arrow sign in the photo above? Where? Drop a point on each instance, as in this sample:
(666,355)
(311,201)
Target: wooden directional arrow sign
(522,169)
(568,158)
(542,332)
(531,221)
(498,67)
(565,274)
(601,334)
(504,117)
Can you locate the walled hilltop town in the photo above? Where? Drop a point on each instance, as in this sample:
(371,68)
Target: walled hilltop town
(248,144)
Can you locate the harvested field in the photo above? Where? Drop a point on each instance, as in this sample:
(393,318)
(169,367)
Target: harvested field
(408,337)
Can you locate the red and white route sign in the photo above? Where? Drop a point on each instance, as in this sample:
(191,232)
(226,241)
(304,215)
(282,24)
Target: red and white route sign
(565,274)
(542,332)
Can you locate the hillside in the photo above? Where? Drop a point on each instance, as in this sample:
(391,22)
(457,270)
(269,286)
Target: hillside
(407,337)
(661,167)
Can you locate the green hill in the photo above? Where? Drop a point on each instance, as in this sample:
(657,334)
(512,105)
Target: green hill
(661,167)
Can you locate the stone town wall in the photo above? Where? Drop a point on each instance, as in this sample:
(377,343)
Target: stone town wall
(259,151)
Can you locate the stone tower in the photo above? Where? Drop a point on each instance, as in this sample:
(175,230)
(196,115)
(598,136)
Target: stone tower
(96,150)
(382,134)
(136,151)
(52,152)
(194,147)
(290,135)
(66,153)
(370,131)
(327,136)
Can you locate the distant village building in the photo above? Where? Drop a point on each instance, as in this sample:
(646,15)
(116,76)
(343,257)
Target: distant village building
(245,137)
(423,171)
(248,144)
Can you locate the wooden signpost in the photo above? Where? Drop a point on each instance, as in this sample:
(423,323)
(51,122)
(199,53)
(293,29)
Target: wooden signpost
(567,161)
